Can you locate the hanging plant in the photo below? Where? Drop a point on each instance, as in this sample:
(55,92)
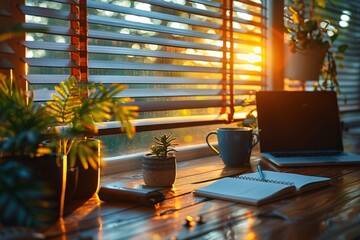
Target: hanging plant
(305,32)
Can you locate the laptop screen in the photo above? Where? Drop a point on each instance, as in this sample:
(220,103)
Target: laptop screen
(298,121)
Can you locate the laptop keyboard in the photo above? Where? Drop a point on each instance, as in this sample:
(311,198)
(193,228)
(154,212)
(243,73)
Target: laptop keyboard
(305,154)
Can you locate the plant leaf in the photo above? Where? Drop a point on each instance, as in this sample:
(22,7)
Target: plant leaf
(342,48)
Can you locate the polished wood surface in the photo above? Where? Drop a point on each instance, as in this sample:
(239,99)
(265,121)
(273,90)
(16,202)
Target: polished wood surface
(331,212)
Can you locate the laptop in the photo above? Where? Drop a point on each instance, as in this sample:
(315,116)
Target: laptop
(299,128)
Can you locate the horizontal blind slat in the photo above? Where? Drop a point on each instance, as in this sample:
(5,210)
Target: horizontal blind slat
(41,28)
(45,95)
(45,78)
(252,3)
(53,46)
(166,80)
(73,2)
(248,42)
(177,105)
(96,34)
(50,62)
(157,15)
(183,8)
(152,80)
(150,67)
(207,3)
(148,53)
(106,21)
(108,79)
(185,92)
(46,12)
(163,123)
(252,13)
(247,22)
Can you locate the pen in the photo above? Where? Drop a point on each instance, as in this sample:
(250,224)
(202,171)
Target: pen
(260,172)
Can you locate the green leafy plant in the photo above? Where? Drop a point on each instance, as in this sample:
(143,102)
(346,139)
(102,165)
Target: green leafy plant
(306,31)
(77,115)
(163,146)
(21,126)
(250,118)
(21,122)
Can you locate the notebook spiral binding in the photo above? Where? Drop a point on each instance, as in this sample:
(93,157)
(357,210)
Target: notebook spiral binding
(266,180)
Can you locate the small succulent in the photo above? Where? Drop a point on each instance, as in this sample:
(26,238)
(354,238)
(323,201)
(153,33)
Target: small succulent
(163,146)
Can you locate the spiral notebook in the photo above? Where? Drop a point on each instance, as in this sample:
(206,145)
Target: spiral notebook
(251,189)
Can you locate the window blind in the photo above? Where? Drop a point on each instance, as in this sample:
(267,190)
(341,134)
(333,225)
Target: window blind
(345,16)
(186,63)
(10,32)
(5,49)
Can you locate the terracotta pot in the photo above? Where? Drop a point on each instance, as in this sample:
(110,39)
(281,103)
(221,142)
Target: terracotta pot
(304,64)
(159,172)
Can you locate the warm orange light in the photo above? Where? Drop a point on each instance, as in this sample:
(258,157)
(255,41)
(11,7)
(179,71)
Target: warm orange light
(250,236)
(188,138)
(244,77)
(250,224)
(257,50)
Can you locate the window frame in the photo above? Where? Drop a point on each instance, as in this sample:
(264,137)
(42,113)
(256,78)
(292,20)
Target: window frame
(78,49)
(274,74)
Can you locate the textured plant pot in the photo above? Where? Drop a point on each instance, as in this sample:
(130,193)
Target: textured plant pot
(52,169)
(304,64)
(159,172)
(88,180)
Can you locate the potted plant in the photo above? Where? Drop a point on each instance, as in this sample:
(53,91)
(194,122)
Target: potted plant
(76,115)
(32,180)
(311,44)
(159,166)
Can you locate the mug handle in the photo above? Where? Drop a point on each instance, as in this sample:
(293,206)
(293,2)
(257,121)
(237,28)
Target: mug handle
(255,139)
(211,146)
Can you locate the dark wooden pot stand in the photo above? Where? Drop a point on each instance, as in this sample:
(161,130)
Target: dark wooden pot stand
(40,190)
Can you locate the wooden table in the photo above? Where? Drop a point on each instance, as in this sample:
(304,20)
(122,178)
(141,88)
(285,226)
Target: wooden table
(331,212)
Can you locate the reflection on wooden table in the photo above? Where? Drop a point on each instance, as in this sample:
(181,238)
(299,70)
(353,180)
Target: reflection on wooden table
(331,212)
